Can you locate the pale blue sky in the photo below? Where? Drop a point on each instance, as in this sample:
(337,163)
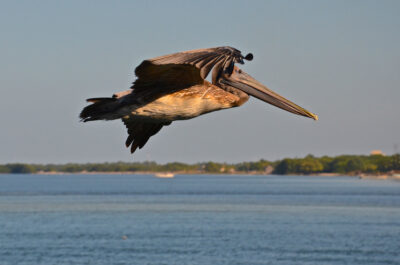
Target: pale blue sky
(339,59)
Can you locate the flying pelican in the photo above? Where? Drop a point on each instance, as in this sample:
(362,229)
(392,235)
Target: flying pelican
(174,87)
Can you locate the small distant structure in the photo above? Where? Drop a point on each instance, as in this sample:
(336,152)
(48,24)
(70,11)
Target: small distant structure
(231,171)
(268,170)
(377,153)
(164,175)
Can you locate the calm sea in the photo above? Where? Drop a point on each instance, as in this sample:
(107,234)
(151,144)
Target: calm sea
(212,220)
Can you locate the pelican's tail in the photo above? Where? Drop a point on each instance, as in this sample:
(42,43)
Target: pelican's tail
(100,109)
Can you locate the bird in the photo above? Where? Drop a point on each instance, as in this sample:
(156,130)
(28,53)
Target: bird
(174,87)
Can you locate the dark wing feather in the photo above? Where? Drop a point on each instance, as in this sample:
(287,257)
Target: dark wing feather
(166,75)
(203,59)
(189,67)
(139,132)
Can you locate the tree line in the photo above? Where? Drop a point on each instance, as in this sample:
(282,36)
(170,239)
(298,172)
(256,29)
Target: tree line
(344,164)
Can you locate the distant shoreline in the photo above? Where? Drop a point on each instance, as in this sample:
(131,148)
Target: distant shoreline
(361,176)
(184,173)
(372,166)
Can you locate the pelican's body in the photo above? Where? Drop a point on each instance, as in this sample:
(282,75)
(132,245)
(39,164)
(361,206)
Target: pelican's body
(184,104)
(173,87)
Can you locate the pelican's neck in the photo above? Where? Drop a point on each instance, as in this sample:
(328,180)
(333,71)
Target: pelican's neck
(243,97)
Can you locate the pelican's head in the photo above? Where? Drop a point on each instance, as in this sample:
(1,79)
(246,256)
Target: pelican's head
(238,79)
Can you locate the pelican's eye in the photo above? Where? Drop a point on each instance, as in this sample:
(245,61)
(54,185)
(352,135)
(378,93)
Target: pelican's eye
(239,71)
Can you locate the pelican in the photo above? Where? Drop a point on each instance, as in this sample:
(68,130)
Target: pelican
(174,87)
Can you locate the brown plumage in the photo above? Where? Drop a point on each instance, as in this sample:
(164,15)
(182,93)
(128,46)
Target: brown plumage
(173,87)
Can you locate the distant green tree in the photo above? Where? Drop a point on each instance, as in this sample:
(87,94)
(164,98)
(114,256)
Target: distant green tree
(260,165)
(285,166)
(21,168)
(385,164)
(338,164)
(309,165)
(4,169)
(326,163)
(242,167)
(212,167)
(354,164)
(174,166)
(370,167)
(396,161)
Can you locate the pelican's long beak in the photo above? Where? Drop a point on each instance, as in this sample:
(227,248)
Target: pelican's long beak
(243,81)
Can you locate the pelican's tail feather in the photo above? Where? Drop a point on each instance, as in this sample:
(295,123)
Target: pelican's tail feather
(100,109)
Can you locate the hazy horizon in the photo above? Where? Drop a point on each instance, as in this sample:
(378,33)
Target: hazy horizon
(340,60)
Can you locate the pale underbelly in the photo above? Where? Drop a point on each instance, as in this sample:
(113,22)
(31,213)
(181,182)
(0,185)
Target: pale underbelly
(170,108)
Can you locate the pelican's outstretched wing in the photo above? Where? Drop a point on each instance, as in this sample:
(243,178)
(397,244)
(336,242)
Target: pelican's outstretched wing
(203,59)
(187,68)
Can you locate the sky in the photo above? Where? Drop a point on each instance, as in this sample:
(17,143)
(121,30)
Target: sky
(338,59)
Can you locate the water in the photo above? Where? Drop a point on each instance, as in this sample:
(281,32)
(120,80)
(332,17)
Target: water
(121,219)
